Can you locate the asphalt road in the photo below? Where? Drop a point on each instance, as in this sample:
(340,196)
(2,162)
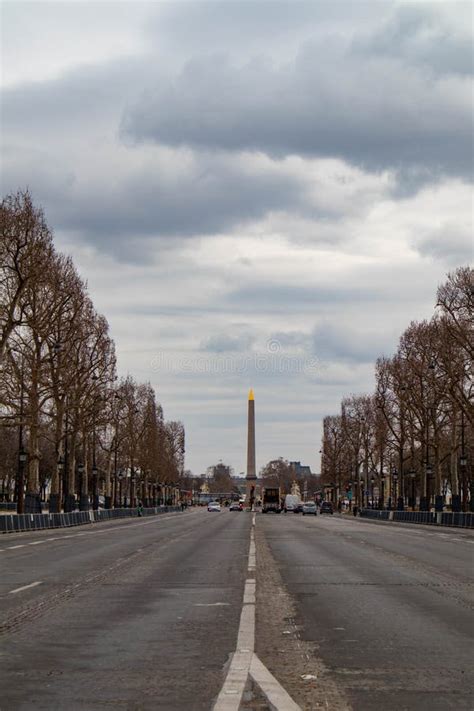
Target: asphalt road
(141,614)
(144,613)
(385,609)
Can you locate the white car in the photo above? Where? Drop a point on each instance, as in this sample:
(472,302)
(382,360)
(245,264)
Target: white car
(213,506)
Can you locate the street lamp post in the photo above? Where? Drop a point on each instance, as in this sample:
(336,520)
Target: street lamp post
(413,498)
(120,476)
(54,499)
(116,497)
(394,488)
(382,487)
(83,496)
(391,487)
(372,482)
(20,484)
(20,497)
(132,487)
(69,499)
(95,487)
(463,466)
(429,473)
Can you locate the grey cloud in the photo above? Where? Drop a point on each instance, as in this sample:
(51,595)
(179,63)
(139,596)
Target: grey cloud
(86,95)
(329,102)
(237,25)
(291,339)
(418,34)
(450,244)
(217,200)
(216,195)
(288,299)
(228,343)
(344,343)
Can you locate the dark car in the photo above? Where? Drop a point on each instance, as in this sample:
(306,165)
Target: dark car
(309,507)
(326,507)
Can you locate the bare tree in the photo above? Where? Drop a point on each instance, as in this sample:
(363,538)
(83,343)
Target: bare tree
(26,250)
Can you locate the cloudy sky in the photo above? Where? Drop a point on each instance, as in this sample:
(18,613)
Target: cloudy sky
(259,193)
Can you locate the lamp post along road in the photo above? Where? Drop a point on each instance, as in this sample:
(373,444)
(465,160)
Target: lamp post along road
(394,492)
(22,459)
(463,470)
(429,473)
(55,496)
(20,483)
(83,497)
(413,497)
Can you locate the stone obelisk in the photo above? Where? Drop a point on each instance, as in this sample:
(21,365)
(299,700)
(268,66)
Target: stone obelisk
(251,478)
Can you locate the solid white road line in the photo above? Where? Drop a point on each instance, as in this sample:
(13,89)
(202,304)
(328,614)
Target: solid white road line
(245,662)
(25,587)
(234,684)
(275,693)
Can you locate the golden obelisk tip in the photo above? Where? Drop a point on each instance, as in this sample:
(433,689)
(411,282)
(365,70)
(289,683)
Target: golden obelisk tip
(251,397)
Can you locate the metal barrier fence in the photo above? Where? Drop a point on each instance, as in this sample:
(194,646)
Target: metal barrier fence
(435,518)
(10,523)
(373,513)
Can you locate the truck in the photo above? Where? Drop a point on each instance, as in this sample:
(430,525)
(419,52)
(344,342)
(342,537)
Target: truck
(271,499)
(292,503)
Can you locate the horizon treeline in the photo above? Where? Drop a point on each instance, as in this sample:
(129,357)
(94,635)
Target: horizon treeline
(413,437)
(66,417)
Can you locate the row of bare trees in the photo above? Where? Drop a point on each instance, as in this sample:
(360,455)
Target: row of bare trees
(283,474)
(68,425)
(411,441)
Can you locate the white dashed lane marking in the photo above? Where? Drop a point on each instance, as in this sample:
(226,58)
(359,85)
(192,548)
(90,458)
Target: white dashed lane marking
(25,587)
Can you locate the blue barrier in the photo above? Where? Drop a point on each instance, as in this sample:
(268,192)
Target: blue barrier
(10,523)
(434,518)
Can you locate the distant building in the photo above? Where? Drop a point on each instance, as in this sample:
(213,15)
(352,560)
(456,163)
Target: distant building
(299,470)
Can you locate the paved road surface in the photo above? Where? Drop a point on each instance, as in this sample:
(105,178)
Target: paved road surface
(135,615)
(144,614)
(387,607)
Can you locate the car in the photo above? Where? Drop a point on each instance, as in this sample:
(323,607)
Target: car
(235,506)
(326,507)
(309,507)
(213,506)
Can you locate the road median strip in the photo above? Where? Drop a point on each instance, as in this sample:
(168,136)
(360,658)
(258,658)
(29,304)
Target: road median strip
(244,662)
